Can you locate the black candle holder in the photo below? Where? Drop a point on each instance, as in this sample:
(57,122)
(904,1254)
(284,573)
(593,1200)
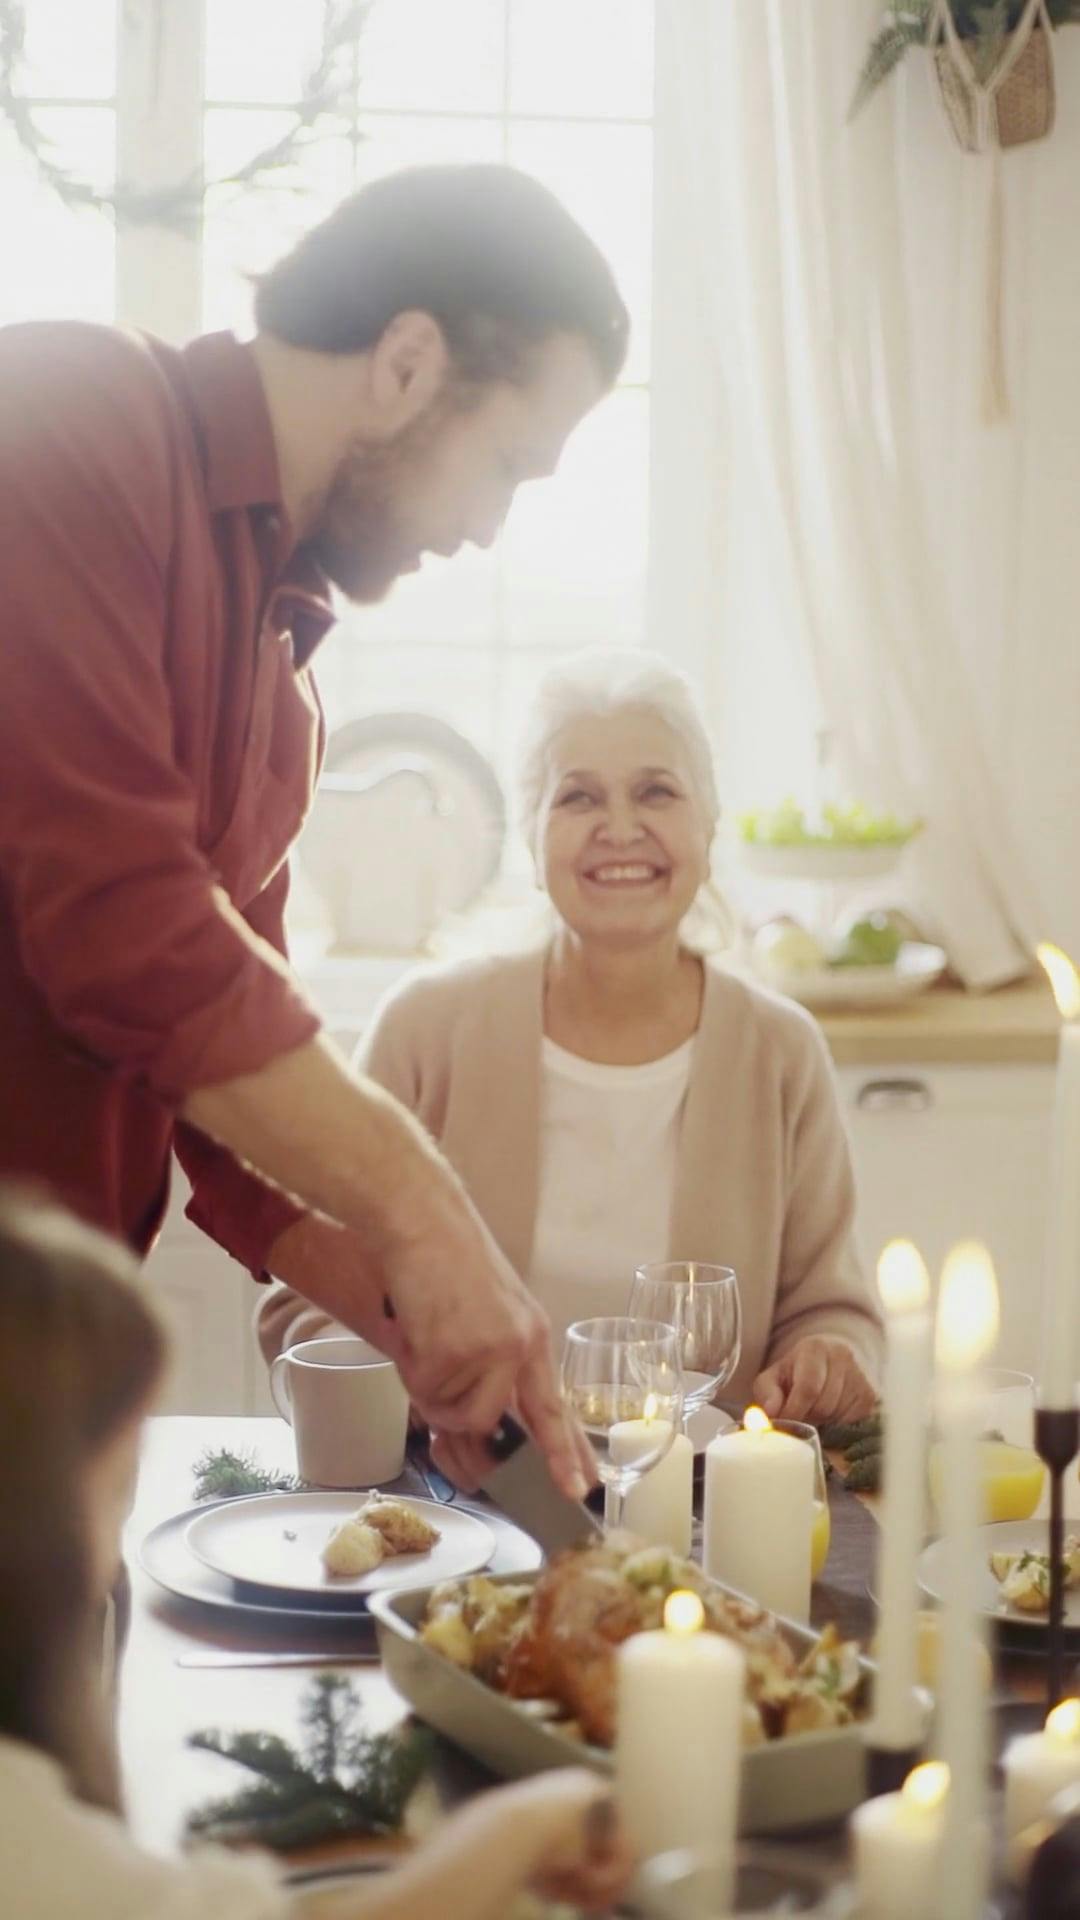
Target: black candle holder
(888,1767)
(1057,1440)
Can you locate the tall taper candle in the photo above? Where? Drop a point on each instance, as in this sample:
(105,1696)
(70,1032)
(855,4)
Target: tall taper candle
(905,1291)
(967,1324)
(1061,1277)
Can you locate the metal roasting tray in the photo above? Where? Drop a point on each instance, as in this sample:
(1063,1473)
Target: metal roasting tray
(804,1780)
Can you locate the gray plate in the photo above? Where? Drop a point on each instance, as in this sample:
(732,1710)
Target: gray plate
(802,1781)
(166,1557)
(1004,1536)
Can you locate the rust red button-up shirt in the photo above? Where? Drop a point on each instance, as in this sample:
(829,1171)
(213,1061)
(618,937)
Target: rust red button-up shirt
(159,741)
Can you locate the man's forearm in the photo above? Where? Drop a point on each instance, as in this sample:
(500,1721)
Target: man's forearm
(331,1272)
(341,1144)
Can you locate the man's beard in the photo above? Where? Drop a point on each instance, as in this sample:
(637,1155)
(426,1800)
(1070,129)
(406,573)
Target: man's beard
(358,540)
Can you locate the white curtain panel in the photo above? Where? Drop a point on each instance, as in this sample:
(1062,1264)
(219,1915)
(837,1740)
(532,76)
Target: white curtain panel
(884,553)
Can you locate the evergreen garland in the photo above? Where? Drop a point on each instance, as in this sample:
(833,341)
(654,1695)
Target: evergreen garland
(327,90)
(340,1781)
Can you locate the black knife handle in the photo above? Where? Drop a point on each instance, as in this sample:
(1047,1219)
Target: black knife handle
(508,1438)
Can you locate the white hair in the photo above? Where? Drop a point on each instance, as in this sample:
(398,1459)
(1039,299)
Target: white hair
(605,680)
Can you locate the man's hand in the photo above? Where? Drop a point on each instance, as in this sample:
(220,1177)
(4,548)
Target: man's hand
(475,1344)
(820,1380)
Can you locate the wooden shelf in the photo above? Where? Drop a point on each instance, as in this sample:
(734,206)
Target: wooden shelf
(1013,1025)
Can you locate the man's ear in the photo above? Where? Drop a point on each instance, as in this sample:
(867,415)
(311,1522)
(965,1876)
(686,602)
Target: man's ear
(409,366)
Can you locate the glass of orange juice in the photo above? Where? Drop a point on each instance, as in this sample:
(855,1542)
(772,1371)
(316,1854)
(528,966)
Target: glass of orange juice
(821,1525)
(1013,1476)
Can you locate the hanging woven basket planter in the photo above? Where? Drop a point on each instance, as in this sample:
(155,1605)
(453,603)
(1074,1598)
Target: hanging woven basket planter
(1023,104)
(1010,104)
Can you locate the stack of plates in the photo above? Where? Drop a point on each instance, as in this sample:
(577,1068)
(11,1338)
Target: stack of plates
(263,1551)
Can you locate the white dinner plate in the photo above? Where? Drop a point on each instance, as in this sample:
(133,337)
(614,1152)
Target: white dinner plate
(917,966)
(1007,1536)
(276,1540)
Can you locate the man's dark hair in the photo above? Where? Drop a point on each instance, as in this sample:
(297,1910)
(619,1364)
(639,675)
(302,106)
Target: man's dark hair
(486,250)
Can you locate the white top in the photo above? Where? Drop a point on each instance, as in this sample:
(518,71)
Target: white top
(608,1144)
(60,1860)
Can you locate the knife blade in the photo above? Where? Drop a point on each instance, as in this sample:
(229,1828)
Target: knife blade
(520,1483)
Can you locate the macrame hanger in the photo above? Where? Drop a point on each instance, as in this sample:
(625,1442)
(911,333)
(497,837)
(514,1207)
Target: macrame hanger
(994,397)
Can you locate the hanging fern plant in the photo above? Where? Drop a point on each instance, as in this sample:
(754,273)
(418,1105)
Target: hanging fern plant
(985,24)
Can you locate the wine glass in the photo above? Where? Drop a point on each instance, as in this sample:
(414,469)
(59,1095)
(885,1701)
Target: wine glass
(702,1303)
(623,1380)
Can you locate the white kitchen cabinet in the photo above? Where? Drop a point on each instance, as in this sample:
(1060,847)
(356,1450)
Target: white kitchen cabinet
(944,1153)
(208,1301)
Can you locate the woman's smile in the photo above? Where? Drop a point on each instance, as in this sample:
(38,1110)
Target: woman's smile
(624,873)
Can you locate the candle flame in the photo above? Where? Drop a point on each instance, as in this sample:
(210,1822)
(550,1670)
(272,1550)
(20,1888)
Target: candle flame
(967,1315)
(683,1612)
(903,1281)
(756,1420)
(926,1786)
(1063,978)
(651,1404)
(1063,1724)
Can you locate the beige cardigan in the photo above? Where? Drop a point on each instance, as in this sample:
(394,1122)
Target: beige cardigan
(763,1179)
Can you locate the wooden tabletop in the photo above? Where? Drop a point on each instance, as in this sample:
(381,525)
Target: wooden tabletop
(161,1703)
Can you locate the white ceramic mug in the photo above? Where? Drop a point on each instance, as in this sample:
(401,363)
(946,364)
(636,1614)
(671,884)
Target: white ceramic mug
(348,1410)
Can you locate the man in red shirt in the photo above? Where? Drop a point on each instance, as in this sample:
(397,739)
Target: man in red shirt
(171,523)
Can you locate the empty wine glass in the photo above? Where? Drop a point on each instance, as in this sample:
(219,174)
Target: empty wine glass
(623,1379)
(702,1303)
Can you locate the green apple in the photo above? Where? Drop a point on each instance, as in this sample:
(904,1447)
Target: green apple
(872,941)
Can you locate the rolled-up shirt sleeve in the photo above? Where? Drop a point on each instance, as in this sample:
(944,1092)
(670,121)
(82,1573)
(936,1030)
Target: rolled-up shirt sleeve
(143,961)
(229,1201)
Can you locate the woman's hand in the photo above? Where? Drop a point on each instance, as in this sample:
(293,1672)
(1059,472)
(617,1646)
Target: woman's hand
(820,1380)
(571,1827)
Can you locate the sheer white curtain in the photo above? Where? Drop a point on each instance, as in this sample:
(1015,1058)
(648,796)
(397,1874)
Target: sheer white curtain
(889,566)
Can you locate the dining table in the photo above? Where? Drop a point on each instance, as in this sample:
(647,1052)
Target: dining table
(187,1666)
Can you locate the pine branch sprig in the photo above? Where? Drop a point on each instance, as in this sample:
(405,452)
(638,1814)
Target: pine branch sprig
(342,1781)
(222,1474)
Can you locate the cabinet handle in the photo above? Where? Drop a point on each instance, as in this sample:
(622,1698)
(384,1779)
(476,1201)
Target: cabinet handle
(894,1096)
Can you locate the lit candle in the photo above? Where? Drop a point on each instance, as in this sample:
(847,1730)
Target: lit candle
(897,1845)
(678,1747)
(967,1323)
(905,1291)
(1039,1765)
(660,1506)
(1061,1278)
(759,1511)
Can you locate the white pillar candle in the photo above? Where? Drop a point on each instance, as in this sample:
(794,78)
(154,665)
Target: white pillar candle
(759,1510)
(660,1506)
(1039,1765)
(678,1747)
(1061,1277)
(967,1323)
(897,1845)
(905,1291)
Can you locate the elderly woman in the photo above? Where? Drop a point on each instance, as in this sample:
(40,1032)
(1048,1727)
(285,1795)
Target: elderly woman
(612,1097)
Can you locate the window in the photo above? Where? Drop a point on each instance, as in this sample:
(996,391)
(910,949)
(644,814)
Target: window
(561,88)
(61,263)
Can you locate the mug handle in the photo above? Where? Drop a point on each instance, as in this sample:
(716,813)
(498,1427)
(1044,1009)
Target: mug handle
(279,1390)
